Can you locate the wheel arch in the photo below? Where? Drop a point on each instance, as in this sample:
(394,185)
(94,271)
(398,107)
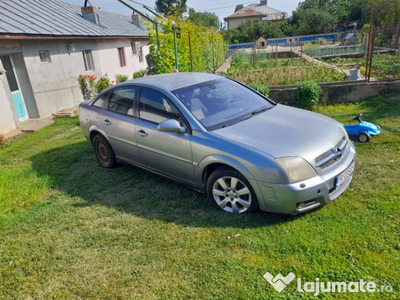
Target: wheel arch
(95,131)
(209,164)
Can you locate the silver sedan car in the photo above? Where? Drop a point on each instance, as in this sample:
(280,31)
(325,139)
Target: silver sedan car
(222,138)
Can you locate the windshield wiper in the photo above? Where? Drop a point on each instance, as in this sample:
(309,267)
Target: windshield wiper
(255,112)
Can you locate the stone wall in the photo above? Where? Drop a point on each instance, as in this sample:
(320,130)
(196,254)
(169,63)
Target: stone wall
(338,92)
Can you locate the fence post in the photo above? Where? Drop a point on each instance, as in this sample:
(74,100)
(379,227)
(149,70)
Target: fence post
(367,62)
(213,53)
(190,51)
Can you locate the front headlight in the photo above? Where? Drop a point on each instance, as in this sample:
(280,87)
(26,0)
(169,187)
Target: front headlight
(296,168)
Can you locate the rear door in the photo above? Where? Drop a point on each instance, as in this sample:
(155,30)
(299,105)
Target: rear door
(165,152)
(117,121)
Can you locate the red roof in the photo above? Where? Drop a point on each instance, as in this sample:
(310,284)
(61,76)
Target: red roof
(244,12)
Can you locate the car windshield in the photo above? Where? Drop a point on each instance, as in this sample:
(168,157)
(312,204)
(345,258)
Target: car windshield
(222,102)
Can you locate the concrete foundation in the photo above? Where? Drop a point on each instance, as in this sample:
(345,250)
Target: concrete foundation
(338,92)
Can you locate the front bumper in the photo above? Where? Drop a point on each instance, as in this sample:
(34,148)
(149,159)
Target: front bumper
(308,194)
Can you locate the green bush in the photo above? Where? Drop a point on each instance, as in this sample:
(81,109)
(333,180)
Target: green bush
(121,78)
(206,48)
(261,88)
(103,83)
(139,74)
(308,93)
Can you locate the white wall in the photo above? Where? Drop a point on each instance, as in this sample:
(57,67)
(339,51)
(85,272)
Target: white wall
(109,58)
(55,84)
(235,22)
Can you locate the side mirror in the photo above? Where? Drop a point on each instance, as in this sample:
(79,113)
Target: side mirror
(171,125)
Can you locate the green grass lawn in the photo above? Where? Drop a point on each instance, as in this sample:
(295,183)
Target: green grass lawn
(73,230)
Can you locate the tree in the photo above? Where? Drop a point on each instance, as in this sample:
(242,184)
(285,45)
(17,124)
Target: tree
(252,31)
(314,21)
(386,12)
(172,7)
(343,11)
(204,18)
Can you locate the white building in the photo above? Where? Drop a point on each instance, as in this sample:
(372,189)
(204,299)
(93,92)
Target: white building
(253,12)
(46,44)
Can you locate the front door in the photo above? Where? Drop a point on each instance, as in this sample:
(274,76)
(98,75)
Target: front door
(16,93)
(165,152)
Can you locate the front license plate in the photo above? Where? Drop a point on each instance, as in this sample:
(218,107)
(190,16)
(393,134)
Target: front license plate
(342,177)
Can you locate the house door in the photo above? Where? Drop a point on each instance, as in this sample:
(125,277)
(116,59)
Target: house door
(16,93)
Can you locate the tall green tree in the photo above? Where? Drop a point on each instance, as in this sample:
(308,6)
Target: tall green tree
(343,10)
(172,7)
(204,18)
(314,21)
(386,12)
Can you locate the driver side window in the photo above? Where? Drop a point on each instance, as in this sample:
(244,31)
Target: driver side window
(156,108)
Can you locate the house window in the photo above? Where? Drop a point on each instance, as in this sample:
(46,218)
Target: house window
(88,59)
(121,54)
(45,56)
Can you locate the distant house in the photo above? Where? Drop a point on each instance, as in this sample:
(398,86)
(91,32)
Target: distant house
(350,39)
(253,12)
(46,44)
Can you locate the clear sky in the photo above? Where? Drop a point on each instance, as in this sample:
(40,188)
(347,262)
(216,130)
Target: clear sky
(222,8)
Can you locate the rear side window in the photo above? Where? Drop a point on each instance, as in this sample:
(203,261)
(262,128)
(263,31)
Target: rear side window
(121,101)
(156,108)
(99,102)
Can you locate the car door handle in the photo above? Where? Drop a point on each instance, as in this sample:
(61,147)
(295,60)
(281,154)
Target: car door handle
(106,122)
(142,133)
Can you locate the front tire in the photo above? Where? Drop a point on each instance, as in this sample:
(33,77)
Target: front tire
(229,191)
(364,137)
(104,153)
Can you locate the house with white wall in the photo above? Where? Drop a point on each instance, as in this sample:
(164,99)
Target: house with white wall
(254,12)
(46,44)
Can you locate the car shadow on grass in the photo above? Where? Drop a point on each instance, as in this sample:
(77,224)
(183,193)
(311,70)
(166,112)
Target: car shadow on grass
(73,170)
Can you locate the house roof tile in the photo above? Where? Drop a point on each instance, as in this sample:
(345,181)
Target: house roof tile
(244,12)
(257,9)
(58,18)
(266,10)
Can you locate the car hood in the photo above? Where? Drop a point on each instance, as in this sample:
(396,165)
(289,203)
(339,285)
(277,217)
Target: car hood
(286,131)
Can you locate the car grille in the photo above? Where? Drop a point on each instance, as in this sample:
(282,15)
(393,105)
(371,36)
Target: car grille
(333,155)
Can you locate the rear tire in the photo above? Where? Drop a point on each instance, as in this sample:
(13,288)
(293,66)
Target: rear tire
(104,153)
(364,137)
(229,191)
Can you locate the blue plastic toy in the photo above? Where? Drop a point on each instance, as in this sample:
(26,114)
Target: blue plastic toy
(363,129)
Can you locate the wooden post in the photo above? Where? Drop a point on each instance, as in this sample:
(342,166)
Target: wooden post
(190,51)
(369,50)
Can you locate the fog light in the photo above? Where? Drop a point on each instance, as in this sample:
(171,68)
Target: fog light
(301,205)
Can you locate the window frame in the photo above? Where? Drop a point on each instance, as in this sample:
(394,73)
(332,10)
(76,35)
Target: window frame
(122,57)
(89,64)
(47,57)
(181,117)
(134,100)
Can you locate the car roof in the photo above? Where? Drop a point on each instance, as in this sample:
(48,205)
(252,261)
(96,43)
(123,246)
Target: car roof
(173,81)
